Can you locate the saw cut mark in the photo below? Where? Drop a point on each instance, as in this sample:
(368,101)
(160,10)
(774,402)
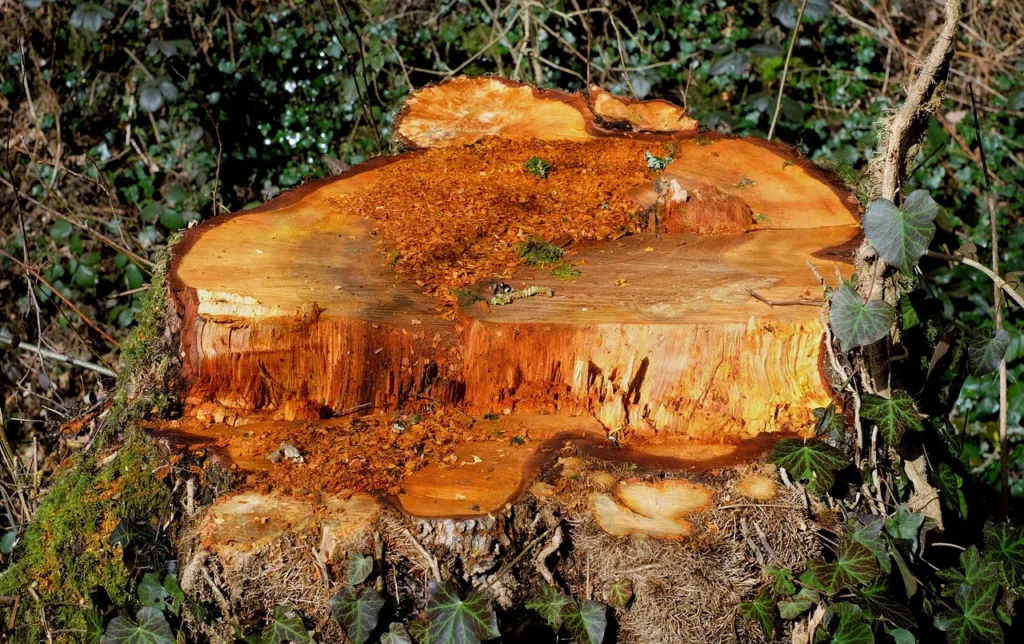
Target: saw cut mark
(667,499)
(620,521)
(240,525)
(651,116)
(462,110)
(650,508)
(758,488)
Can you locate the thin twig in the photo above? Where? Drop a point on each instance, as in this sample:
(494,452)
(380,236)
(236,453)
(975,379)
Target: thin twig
(785,69)
(1004,445)
(364,101)
(774,303)
(57,292)
(999,281)
(216,131)
(519,557)
(427,557)
(53,355)
(141,261)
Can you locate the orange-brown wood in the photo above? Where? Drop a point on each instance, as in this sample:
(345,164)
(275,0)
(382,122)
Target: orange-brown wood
(650,509)
(482,473)
(293,311)
(238,525)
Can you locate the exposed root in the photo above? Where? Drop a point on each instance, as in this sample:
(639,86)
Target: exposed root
(542,557)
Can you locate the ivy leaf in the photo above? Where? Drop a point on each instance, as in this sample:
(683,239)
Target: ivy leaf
(286,626)
(359,568)
(855,565)
(901,235)
(986,350)
(93,627)
(620,593)
(762,610)
(877,600)
(149,627)
(853,629)
(61,230)
(585,620)
(901,636)
(974,616)
(1003,616)
(894,416)
(968,250)
(153,92)
(90,16)
(735,63)
(8,541)
(857,324)
(454,620)
(786,11)
(799,603)
(549,603)
(908,314)
(174,593)
(171,219)
(812,461)
(420,632)
(397,634)
(358,611)
(1015,281)
(951,484)
(152,593)
(974,570)
(1006,544)
(905,525)
(868,533)
(783,584)
(829,423)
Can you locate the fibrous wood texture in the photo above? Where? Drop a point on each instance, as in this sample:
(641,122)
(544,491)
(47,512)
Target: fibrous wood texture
(377,288)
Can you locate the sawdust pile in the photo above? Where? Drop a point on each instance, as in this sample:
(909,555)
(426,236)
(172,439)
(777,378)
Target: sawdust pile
(452,217)
(363,454)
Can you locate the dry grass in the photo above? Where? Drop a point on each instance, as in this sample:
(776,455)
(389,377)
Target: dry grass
(688,591)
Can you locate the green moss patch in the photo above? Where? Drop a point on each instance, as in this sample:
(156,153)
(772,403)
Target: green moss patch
(76,544)
(537,252)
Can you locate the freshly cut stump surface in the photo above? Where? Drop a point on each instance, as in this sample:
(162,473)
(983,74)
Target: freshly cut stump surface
(587,269)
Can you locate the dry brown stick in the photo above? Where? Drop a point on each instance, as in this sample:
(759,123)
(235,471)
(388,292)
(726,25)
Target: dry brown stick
(56,292)
(77,224)
(910,120)
(1004,447)
(431,562)
(785,69)
(216,131)
(526,550)
(999,281)
(774,303)
(14,613)
(53,355)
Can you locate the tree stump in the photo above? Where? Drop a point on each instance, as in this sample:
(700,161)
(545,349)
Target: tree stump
(511,328)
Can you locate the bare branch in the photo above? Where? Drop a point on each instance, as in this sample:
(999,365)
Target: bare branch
(53,355)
